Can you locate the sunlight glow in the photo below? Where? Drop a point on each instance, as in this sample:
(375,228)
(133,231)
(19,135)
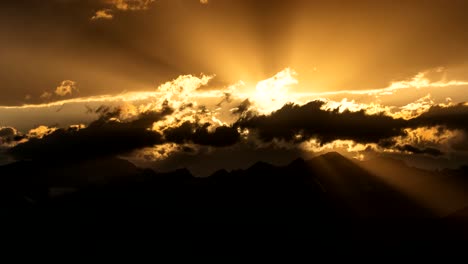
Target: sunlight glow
(271,94)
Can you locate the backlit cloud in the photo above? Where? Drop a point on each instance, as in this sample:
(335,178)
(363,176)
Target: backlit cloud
(40,132)
(66,88)
(271,94)
(7,134)
(103,14)
(298,123)
(270,115)
(106,136)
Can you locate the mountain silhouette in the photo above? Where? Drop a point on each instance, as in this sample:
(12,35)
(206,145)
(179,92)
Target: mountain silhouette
(456,224)
(325,198)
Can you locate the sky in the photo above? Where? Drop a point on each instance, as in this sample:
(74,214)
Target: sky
(190,83)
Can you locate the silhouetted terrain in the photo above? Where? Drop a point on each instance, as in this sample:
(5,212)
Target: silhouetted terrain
(323,199)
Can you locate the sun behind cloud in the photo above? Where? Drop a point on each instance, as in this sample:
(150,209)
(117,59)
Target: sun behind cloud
(271,94)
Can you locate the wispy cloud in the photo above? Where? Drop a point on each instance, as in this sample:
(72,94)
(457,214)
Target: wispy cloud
(45,95)
(121,5)
(168,90)
(103,14)
(131,5)
(419,81)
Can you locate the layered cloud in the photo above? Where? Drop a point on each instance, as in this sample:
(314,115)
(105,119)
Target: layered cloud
(199,134)
(299,123)
(451,117)
(303,122)
(183,119)
(116,133)
(170,115)
(108,136)
(105,136)
(415,150)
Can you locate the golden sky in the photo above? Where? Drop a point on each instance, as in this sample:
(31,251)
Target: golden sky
(62,59)
(333,45)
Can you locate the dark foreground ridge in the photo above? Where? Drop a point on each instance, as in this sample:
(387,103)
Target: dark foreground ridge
(328,198)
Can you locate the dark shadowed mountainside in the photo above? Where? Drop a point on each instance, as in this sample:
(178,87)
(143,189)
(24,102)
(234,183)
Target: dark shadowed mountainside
(328,198)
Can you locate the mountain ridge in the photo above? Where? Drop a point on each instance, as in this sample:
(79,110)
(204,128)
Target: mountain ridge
(328,194)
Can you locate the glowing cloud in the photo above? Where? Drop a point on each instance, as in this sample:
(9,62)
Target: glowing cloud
(264,117)
(40,132)
(271,94)
(184,88)
(187,100)
(181,94)
(66,88)
(103,14)
(418,81)
(132,5)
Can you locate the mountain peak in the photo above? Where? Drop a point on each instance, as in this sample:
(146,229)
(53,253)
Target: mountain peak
(219,173)
(332,155)
(299,162)
(260,165)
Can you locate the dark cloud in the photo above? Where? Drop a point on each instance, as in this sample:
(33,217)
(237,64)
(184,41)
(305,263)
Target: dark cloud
(460,143)
(429,151)
(294,123)
(452,117)
(108,136)
(444,118)
(9,135)
(242,107)
(7,132)
(199,134)
(227,98)
(104,137)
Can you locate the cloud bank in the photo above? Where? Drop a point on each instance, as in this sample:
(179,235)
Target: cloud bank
(175,121)
(112,134)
